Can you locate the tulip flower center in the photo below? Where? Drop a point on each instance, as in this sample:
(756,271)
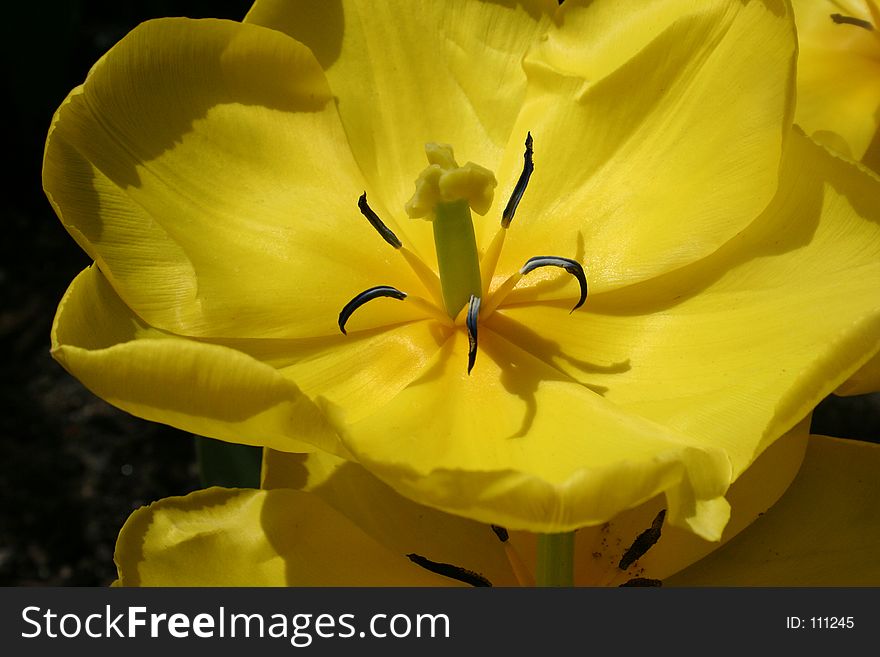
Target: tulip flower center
(445,195)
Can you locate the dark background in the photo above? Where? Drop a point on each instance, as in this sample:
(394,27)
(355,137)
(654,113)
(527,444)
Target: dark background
(72,467)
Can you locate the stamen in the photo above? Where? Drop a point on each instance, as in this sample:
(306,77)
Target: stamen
(523,576)
(840,19)
(471,323)
(643,542)
(377,223)
(448,570)
(642,581)
(521,184)
(573,267)
(501,533)
(364,297)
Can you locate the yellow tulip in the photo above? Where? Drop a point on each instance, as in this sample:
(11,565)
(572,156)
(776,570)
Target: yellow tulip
(212,170)
(326,522)
(838,83)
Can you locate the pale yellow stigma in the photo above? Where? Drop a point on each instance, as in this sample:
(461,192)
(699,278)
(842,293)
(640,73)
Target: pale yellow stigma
(443,181)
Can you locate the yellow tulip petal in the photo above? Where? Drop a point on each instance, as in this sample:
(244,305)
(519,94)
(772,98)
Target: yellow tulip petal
(208,389)
(404,526)
(838,73)
(399,524)
(518,443)
(203,166)
(734,350)
(599,550)
(221,537)
(750,496)
(658,131)
(824,531)
(408,73)
(358,371)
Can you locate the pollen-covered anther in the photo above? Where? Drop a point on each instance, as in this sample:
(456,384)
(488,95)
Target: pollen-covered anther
(642,581)
(644,542)
(386,233)
(521,184)
(449,570)
(501,533)
(471,322)
(841,19)
(364,297)
(573,267)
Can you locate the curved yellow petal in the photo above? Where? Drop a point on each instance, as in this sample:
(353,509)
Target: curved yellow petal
(402,525)
(658,130)
(399,524)
(750,496)
(228,537)
(600,549)
(734,350)
(838,68)
(518,443)
(210,390)
(823,532)
(407,73)
(202,164)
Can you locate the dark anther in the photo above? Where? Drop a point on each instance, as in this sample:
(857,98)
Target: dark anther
(364,297)
(643,542)
(471,323)
(840,19)
(573,267)
(377,223)
(642,581)
(500,532)
(448,570)
(521,184)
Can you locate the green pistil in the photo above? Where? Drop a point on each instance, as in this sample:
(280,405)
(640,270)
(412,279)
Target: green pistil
(457,255)
(555,565)
(445,194)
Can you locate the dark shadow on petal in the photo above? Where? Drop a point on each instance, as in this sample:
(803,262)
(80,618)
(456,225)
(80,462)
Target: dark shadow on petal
(118,124)
(297,19)
(284,470)
(518,375)
(550,350)
(200,76)
(443,360)
(871,159)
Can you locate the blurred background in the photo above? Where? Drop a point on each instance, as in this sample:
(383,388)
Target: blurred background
(72,468)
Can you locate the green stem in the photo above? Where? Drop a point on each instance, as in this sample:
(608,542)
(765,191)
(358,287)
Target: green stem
(457,256)
(555,565)
(228,464)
